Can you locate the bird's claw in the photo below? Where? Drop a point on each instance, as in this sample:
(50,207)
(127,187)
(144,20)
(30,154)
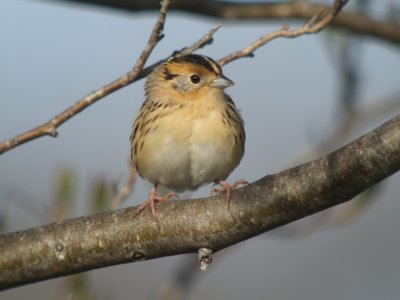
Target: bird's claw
(227,188)
(151,201)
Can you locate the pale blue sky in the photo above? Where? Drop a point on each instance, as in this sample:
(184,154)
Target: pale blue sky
(52,54)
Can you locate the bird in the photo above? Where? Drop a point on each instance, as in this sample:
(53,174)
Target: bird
(188,131)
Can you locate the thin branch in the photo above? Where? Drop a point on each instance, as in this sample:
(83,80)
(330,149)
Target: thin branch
(50,128)
(126,189)
(233,10)
(205,40)
(318,22)
(202,42)
(155,37)
(118,237)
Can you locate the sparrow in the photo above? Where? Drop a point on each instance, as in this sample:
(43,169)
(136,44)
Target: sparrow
(188,132)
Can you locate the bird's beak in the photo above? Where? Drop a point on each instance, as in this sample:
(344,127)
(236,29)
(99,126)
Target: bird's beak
(222,82)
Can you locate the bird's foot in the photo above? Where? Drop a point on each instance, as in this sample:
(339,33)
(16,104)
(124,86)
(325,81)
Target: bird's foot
(151,201)
(227,188)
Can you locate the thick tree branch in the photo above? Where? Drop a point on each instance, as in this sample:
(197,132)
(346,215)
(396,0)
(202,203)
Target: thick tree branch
(117,237)
(230,10)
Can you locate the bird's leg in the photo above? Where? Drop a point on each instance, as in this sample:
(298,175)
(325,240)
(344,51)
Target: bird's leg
(151,201)
(227,188)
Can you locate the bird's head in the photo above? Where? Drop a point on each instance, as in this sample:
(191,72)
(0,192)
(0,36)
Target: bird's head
(188,77)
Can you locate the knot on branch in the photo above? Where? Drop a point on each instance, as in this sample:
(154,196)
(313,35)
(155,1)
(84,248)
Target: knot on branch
(51,130)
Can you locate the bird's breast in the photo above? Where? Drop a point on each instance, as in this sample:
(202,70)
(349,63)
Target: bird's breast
(190,147)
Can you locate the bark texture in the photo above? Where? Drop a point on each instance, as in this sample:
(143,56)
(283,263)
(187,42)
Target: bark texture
(117,237)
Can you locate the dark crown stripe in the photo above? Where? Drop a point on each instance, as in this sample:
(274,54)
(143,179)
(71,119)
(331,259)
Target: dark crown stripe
(199,60)
(168,75)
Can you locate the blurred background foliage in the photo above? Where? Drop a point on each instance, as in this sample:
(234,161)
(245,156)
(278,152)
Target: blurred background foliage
(354,111)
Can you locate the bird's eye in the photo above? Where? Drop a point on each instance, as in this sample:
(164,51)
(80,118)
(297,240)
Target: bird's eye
(195,79)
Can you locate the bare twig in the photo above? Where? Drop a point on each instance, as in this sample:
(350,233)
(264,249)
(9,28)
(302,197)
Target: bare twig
(205,40)
(126,189)
(318,22)
(50,127)
(117,237)
(155,37)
